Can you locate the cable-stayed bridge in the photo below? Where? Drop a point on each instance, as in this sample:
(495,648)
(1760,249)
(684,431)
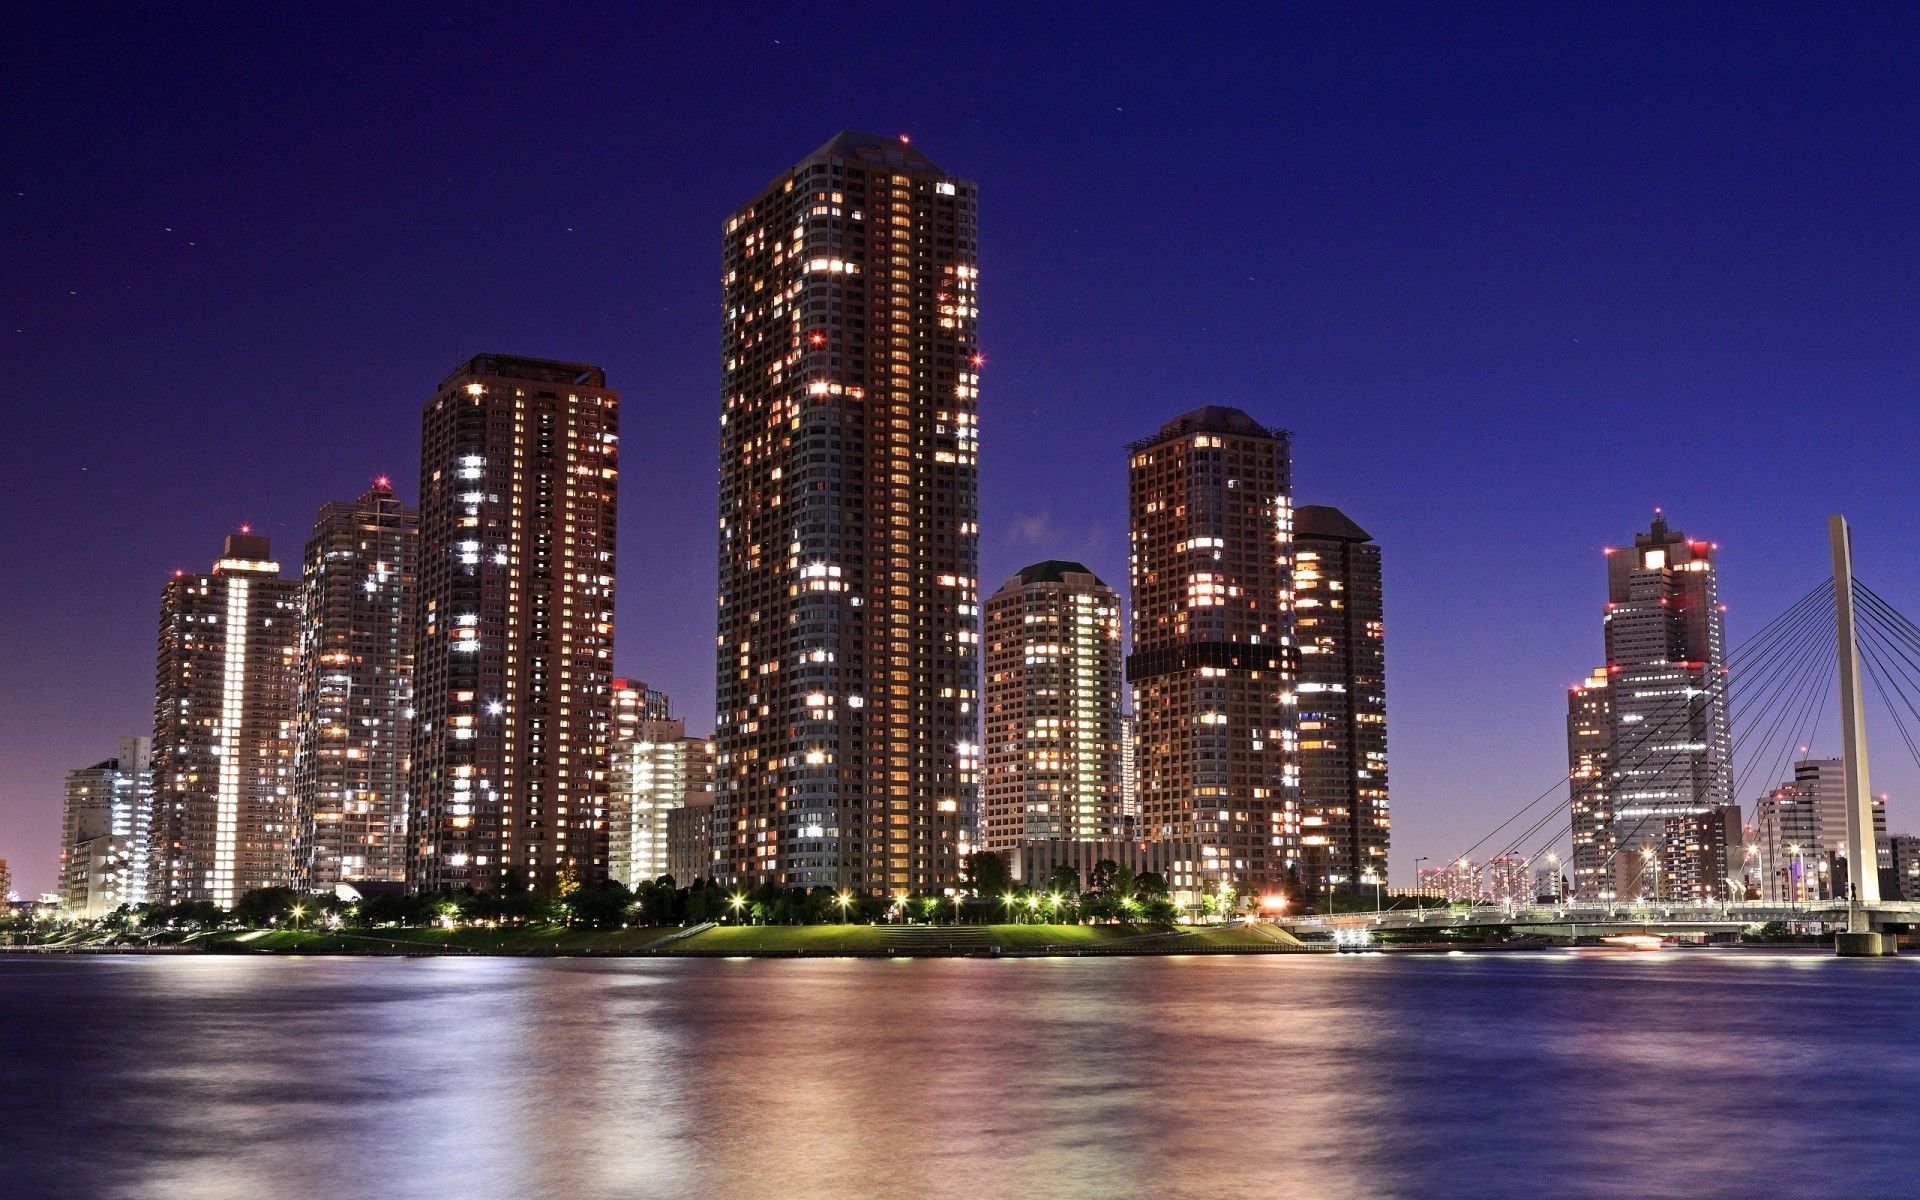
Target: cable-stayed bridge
(1837,638)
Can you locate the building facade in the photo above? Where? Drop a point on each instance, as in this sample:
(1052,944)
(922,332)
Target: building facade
(104,832)
(1052,696)
(1589,740)
(1509,881)
(1458,882)
(847,673)
(356,685)
(1340,626)
(690,839)
(1800,832)
(1668,748)
(1213,662)
(512,733)
(224,704)
(1190,872)
(1903,855)
(656,771)
(634,704)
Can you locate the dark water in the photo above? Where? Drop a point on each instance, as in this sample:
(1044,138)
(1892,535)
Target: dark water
(1589,1074)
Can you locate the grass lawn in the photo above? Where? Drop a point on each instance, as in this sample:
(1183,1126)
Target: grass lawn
(516,938)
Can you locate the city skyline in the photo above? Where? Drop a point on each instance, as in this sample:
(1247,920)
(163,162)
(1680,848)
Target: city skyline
(1049,488)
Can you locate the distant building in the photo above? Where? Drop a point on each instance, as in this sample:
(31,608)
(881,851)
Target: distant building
(356,685)
(848,632)
(657,771)
(513,721)
(6,881)
(1801,832)
(104,832)
(1904,851)
(223,736)
(633,704)
(1667,750)
(1189,868)
(1053,736)
(1339,626)
(1509,881)
(1549,885)
(1213,664)
(1129,779)
(1458,882)
(690,839)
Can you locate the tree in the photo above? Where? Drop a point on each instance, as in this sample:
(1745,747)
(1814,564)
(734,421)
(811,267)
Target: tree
(266,906)
(986,874)
(603,906)
(1065,880)
(1103,874)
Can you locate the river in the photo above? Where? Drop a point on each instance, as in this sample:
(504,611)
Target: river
(1579,1073)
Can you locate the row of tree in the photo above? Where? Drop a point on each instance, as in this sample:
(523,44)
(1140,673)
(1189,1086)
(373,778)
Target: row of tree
(1113,893)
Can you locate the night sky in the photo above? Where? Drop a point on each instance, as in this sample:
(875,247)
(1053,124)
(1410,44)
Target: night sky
(1512,274)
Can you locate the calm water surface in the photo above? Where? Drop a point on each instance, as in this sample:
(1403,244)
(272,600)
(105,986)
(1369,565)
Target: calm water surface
(1570,1074)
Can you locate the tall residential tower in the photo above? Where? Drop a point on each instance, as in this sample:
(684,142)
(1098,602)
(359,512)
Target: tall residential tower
(1340,625)
(356,684)
(1053,734)
(1667,752)
(1213,662)
(847,670)
(510,743)
(103,843)
(223,714)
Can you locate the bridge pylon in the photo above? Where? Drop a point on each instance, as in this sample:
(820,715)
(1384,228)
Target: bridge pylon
(1863,853)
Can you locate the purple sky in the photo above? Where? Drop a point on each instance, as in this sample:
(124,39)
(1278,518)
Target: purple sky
(1512,274)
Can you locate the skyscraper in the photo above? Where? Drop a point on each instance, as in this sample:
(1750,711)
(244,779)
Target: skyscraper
(1668,749)
(847,675)
(103,840)
(657,770)
(1053,671)
(356,685)
(1801,832)
(1213,659)
(1589,740)
(1340,625)
(223,718)
(519,470)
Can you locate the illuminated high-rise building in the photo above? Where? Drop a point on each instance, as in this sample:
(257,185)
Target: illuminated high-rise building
(634,704)
(1340,626)
(513,721)
(1589,741)
(847,670)
(656,771)
(104,832)
(1668,749)
(1052,696)
(223,719)
(356,685)
(1213,662)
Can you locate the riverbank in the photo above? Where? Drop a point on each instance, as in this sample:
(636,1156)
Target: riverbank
(711,941)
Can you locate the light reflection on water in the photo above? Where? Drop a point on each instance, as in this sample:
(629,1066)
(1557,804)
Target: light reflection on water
(1590,1074)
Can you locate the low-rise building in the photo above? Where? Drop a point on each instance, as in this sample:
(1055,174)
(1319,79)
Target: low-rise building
(1190,868)
(690,839)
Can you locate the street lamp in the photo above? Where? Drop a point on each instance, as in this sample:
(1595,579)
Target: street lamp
(736,901)
(843,899)
(1373,877)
